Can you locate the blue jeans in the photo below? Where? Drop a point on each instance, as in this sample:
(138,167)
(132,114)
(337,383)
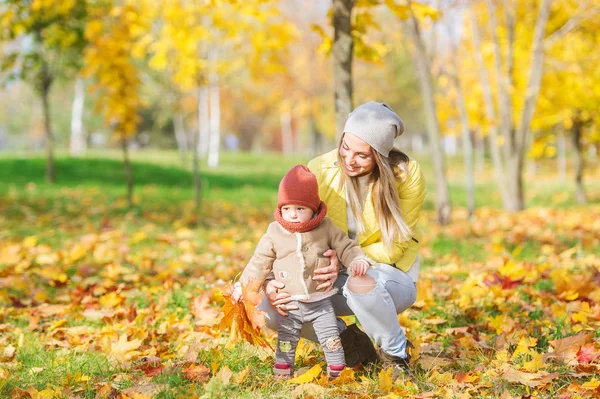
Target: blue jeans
(376,310)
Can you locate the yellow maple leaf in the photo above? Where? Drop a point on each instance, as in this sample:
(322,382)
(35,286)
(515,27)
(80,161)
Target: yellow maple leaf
(591,384)
(124,349)
(385,380)
(308,376)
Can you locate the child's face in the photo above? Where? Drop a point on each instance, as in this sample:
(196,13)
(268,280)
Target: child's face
(296,213)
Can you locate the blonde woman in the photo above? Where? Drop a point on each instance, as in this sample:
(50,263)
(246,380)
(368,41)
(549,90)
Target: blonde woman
(374,193)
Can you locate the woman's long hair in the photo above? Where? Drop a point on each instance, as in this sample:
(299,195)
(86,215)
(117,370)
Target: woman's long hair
(385,195)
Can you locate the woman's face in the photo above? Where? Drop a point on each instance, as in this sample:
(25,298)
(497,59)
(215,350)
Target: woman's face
(357,156)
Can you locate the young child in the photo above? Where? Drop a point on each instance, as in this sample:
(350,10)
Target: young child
(292,248)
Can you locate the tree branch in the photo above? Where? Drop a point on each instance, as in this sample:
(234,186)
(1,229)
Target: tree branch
(571,24)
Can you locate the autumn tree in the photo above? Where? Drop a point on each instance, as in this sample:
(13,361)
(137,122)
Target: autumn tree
(198,45)
(50,38)
(116,42)
(573,63)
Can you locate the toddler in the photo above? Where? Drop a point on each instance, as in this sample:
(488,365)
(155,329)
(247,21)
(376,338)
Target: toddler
(291,249)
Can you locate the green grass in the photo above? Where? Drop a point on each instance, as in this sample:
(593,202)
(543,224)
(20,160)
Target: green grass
(239,194)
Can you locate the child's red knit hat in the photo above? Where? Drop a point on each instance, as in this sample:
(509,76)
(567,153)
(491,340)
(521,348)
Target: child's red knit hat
(299,187)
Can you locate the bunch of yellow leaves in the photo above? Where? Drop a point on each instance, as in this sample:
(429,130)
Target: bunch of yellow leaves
(243,318)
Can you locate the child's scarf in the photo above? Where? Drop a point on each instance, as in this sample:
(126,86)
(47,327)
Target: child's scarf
(302,227)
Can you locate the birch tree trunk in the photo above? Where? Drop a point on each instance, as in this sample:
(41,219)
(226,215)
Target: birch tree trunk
(467,149)
(490,112)
(180,136)
(203,122)
(343,48)
(465,130)
(515,137)
(580,194)
(442,199)
(515,177)
(215,121)
(77,144)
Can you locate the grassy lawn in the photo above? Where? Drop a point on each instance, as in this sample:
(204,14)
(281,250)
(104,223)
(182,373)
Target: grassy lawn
(92,293)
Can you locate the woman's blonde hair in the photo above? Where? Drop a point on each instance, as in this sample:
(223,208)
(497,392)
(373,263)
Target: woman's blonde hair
(385,195)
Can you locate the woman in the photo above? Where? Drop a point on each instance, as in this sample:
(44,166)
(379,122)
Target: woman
(374,193)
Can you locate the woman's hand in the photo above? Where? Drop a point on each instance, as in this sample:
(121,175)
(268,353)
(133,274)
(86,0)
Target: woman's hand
(329,273)
(278,299)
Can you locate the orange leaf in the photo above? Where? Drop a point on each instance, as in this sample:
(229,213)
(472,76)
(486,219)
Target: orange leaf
(151,366)
(196,373)
(244,318)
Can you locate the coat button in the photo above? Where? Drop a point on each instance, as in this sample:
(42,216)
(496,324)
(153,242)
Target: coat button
(306,275)
(305,249)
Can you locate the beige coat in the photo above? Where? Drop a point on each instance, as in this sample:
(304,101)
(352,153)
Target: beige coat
(294,256)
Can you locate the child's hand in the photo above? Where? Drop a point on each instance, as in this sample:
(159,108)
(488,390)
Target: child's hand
(359,268)
(237,292)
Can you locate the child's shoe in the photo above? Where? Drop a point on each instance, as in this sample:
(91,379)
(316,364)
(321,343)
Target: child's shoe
(283,371)
(334,371)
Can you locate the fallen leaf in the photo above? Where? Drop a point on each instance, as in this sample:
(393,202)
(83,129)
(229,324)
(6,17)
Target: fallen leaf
(308,376)
(196,373)
(530,379)
(566,349)
(385,380)
(151,366)
(309,390)
(242,375)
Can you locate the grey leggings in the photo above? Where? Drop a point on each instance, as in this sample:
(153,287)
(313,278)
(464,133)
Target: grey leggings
(322,317)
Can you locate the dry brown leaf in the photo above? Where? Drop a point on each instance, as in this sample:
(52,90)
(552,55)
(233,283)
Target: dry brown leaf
(196,373)
(530,379)
(566,349)
(204,315)
(151,366)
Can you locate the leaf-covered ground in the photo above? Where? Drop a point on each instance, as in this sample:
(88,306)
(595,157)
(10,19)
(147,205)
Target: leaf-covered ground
(98,302)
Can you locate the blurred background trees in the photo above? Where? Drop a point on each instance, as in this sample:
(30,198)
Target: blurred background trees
(512,81)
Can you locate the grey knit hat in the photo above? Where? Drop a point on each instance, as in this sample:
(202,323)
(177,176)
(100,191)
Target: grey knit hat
(377,124)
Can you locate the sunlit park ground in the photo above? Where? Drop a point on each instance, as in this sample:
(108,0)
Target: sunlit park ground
(100,300)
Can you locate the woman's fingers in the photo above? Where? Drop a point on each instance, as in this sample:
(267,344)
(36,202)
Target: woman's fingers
(325,273)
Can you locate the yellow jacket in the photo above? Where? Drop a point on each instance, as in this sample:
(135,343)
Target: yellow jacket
(411,192)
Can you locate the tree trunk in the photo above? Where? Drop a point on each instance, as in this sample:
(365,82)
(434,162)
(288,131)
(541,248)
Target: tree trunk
(128,173)
(562,156)
(515,138)
(78,142)
(580,194)
(442,200)
(180,136)
(531,93)
(215,121)
(467,149)
(196,171)
(287,137)
(317,138)
(465,130)
(203,122)
(479,152)
(45,85)
(343,48)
